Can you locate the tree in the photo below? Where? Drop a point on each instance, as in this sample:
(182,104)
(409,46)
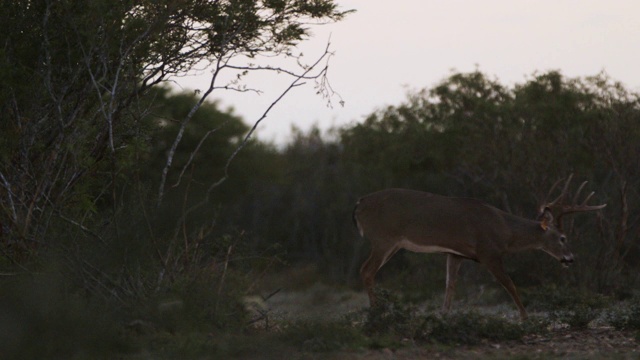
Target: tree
(75,77)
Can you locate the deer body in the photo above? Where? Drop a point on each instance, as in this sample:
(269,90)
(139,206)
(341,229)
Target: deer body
(463,228)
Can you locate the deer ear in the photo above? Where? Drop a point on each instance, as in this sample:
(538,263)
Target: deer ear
(546,219)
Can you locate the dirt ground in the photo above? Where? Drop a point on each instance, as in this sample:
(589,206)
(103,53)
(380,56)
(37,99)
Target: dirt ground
(565,344)
(322,302)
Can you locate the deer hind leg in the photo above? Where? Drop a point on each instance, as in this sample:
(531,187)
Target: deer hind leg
(379,256)
(496,268)
(453,266)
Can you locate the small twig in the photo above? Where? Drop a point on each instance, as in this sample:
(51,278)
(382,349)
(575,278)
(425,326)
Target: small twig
(224,274)
(10,196)
(12,260)
(295,83)
(83,228)
(265,298)
(221,64)
(195,151)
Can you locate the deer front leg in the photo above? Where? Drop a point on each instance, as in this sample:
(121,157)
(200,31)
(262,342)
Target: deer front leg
(496,268)
(453,266)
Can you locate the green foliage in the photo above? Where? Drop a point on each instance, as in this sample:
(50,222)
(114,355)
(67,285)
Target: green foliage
(86,132)
(471,136)
(209,138)
(389,316)
(575,308)
(468,328)
(579,317)
(467,136)
(551,297)
(77,80)
(393,320)
(625,317)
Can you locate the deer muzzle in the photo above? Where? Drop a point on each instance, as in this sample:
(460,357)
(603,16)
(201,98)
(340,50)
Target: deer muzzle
(566,260)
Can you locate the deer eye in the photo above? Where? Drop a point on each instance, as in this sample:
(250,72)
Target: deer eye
(563,239)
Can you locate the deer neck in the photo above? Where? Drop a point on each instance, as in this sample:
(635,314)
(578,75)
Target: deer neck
(525,234)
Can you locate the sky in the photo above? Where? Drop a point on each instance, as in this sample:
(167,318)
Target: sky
(388,48)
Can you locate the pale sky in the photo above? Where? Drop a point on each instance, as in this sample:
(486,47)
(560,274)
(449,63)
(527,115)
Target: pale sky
(388,47)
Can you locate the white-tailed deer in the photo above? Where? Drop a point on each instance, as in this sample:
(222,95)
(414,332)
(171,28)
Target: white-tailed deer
(462,228)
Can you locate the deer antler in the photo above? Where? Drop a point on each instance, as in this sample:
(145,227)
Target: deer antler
(564,209)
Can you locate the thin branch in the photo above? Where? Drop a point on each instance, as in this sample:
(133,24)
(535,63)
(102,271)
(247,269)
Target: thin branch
(237,89)
(221,63)
(298,81)
(195,151)
(83,228)
(295,83)
(10,196)
(302,76)
(183,125)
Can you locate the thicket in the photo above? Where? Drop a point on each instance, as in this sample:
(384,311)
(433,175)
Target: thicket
(472,136)
(111,189)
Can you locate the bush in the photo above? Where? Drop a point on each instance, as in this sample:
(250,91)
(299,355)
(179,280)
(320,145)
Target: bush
(626,318)
(552,298)
(389,316)
(469,328)
(392,320)
(578,318)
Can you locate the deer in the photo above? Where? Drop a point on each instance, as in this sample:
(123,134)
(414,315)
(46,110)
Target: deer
(462,228)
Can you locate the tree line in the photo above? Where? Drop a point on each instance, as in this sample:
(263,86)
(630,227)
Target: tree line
(471,136)
(468,136)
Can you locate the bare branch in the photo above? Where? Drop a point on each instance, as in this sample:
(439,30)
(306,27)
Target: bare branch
(302,76)
(298,81)
(220,64)
(195,151)
(83,228)
(295,83)
(5,183)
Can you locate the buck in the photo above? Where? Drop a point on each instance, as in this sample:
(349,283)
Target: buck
(462,228)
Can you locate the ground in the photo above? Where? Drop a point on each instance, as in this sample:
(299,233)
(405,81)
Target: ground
(324,303)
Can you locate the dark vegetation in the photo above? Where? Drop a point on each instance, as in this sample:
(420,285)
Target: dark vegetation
(116,239)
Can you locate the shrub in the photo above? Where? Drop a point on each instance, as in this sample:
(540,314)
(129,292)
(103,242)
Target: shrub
(626,318)
(552,298)
(392,319)
(389,316)
(469,328)
(578,318)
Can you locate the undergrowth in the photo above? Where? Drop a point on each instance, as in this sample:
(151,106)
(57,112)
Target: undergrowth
(194,322)
(625,317)
(393,319)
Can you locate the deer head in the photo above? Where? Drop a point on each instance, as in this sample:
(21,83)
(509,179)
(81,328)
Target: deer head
(562,208)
